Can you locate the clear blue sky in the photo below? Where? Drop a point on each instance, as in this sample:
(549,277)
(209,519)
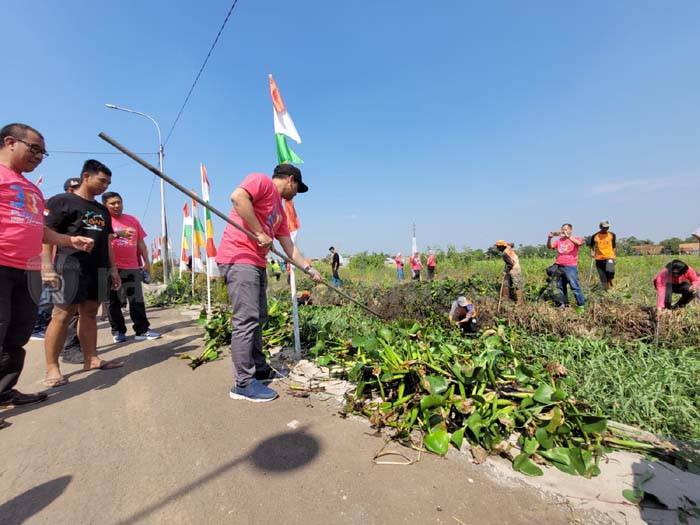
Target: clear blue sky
(475,121)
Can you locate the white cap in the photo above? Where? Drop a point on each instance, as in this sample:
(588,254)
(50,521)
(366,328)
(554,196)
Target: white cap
(462,301)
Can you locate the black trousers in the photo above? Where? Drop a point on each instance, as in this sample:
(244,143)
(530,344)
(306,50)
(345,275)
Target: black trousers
(132,292)
(604,275)
(18,311)
(681,288)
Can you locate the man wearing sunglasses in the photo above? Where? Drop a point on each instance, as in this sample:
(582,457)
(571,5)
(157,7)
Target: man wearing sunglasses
(22,149)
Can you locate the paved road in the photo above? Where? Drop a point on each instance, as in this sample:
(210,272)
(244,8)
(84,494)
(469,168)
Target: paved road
(155,442)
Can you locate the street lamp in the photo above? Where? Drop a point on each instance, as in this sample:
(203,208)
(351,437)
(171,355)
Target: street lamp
(163,221)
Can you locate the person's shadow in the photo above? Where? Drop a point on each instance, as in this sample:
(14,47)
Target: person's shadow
(22,507)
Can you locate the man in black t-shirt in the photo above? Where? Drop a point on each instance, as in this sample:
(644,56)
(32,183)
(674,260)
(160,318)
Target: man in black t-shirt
(335,264)
(84,278)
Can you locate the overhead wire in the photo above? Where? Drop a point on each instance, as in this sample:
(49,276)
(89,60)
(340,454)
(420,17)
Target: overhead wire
(201,69)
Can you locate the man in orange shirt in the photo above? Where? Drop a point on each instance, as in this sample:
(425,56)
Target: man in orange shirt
(602,246)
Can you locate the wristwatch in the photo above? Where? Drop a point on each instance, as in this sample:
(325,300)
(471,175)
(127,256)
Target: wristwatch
(307,267)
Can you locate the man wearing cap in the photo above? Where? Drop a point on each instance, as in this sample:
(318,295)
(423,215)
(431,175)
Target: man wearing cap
(603,244)
(258,207)
(463,314)
(511,276)
(22,149)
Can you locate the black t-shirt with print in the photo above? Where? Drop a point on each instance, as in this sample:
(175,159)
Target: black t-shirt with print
(70,214)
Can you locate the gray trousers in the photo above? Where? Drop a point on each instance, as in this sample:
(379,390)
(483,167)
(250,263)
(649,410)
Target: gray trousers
(247,286)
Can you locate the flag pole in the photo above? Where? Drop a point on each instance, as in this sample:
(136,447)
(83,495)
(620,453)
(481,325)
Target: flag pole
(109,140)
(295,306)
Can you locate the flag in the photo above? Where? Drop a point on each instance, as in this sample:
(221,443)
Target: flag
(284,127)
(39,180)
(292,217)
(197,240)
(209,227)
(186,233)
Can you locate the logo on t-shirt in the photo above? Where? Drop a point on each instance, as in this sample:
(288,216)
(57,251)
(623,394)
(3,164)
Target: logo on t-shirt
(25,207)
(94,221)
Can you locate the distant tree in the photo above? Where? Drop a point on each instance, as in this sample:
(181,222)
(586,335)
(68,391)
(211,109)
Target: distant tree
(671,245)
(367,261)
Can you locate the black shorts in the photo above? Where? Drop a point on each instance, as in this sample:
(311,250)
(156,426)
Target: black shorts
(77,286)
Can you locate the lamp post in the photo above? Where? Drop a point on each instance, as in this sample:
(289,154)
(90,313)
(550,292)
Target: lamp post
(163,221)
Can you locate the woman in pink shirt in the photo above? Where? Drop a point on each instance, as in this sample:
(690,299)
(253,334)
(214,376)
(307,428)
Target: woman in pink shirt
(676,277)
(416,266)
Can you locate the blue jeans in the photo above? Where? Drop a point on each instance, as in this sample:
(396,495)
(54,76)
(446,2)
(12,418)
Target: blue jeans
(399,272)
(570,276)
(337,282)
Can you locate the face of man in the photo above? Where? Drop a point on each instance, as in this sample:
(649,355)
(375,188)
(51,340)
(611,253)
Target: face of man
(565,228)
(115,206)
(290,188)
(95,184)
(26,152)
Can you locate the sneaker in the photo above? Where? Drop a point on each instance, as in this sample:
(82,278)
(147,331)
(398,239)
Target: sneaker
(254,391)
(16,398)
(563,306)
(38,336)
(268,376)
(73,356)
(150,335)
(579,309)
(119,337)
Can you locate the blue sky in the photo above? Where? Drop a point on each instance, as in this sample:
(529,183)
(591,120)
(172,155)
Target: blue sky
(476,121)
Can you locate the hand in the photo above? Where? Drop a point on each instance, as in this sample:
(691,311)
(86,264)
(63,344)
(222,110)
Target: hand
(264,241)
(313,272)
(85,244)
(116,279)
(49,276)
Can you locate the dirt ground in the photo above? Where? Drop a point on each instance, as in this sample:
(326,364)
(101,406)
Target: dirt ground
(155,442)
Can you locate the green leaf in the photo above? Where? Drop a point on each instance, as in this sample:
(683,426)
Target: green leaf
(530,445)
(386,334)
(543,394)
(556,455)
(577,460)
(434,384)
(556,420)
(559,395)
(437,441)
(323,360)
(523,463)
(544,438)
(432,401)
(474,423)
(633,495)
(458,437)
(594,424)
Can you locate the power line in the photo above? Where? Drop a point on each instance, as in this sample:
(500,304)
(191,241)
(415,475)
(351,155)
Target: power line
(54,151)
(187,98)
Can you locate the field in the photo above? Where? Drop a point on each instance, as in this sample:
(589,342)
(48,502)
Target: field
(552,377)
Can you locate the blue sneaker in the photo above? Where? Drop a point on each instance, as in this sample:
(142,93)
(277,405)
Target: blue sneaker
(150,335)
(38,336)
(119,337)
(254,391)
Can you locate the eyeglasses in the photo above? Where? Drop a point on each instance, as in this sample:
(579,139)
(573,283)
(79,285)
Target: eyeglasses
(34,148)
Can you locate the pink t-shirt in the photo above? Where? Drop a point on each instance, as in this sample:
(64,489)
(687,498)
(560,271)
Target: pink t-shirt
(662,278)
(399,263)
(236,247)
(567,251)
(431,260)
(21,221)
(126,251)
(415,262)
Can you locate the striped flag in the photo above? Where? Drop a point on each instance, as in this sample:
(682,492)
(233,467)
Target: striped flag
(186,233)
(197,240)
(284,127)
(209,227)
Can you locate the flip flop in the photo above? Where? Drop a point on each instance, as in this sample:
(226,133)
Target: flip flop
(106,365)
(53,382)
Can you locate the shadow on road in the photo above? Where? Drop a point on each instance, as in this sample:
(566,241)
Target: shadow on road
(22,507)
(277,454)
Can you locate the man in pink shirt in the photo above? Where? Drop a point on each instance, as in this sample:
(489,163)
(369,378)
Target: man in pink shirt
(258,207)
(131,258)
(416,266)
(399,266)
(567,246)
(431,265)
(22,149)
(676,277)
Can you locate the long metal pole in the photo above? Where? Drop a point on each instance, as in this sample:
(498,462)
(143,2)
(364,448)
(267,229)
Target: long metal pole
(109,140)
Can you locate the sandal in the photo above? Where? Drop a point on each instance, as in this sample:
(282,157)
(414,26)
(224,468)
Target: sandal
(106,365)
(53,382)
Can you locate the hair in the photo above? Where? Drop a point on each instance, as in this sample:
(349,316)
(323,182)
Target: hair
(93,167)
(678,266)
(567,224)
(331,248)
(110,195)
(16,130)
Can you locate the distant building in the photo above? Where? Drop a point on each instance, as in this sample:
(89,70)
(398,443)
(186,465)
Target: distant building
(689,248)
(648,249)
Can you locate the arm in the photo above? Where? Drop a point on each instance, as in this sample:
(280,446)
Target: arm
(143,252)
(77,241)
(113,272)
(295,255)
(243,204)
(549,241)
(578,241)
(660,284)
